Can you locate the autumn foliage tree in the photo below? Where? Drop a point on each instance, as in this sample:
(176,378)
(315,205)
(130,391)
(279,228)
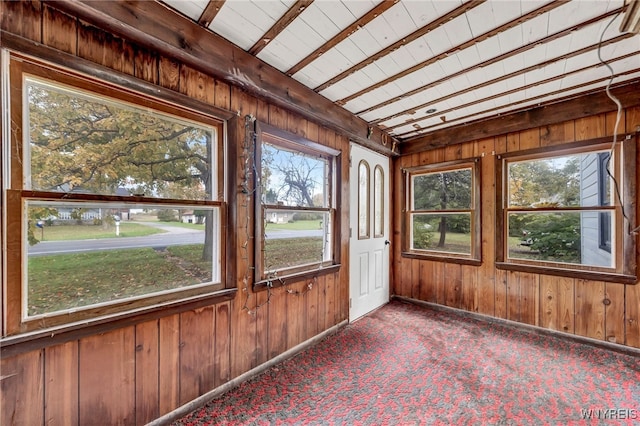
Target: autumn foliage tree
(80,143)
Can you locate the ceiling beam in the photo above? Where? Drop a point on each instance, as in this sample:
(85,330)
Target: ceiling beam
(343,35)
(578,107)
(282,23)
(458,11)
(521,49)
(503,77)
(514,105)
(158,27)
(210,11)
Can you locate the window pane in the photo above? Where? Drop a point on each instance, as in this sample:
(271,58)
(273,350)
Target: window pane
(442,232)
(443,190)
(81,254)
(363,200)
(79,142)
(293,178)
(567,181)
(566,237)
(294,238)
(378,202)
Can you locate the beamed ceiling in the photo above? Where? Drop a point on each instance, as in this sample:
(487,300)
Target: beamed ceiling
(399,71)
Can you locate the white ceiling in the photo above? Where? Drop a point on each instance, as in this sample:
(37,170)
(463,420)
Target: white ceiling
(485,58)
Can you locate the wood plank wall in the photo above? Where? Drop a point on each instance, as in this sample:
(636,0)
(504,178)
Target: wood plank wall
(568,305)
(137,373)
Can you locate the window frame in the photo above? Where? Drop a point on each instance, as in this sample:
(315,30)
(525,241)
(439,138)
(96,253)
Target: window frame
(16,68)
(475,211)
(289,141)
(624,270)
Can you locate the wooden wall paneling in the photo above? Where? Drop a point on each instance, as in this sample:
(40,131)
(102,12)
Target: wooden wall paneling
(590,313)
(92,43)
(556,134)
(147,371)
(121,56)
(485,150)
(169,363)
(278,328)
(222,351)
(22,389)
(222,95)
(469,284)
(500,144)
(610,122)
(529,298)
(566,304)
(197,374)
(311,308)
(405,278)
(416,281)
(512,142)
(145,65)
(197,85)
(59,30)
(295,318)
(341,143)
(549,309)
(245,312)
(61,384)
(632,119)
(529,139)
(330,300)
(453,284)
(632,313)
(296,125)
(452,152)
(614,320)
(590,127)
(501,297)
(396,209)
(23,18)
(169,73)
(440,282)
(513,296)
(427,281)
(107,378)
(278,117)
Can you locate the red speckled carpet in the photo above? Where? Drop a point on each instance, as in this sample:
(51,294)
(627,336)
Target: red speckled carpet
(412,365)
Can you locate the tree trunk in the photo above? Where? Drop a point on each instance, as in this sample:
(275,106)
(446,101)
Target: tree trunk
(443,231)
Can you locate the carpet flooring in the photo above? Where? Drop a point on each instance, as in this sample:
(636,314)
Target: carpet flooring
(412,365)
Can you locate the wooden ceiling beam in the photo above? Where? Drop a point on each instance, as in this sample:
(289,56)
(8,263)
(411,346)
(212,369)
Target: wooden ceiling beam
(423,130)
(156,26)
(470,43)
(210,11)
(343,35)
(282,23)
(460,10)
(504,77)
(578,106)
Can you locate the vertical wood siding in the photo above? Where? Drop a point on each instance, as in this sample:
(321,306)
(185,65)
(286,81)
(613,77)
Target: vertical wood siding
(596,309)
(137,373)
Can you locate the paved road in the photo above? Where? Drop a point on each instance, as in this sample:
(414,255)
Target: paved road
(172,237)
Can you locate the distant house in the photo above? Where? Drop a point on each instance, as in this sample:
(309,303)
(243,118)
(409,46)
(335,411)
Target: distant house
(595,227)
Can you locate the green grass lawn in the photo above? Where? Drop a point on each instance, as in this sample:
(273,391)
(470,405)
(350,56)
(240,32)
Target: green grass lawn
(65,281)
(289,252)
(88,232)
(199,226)
(298,225)
(454,242)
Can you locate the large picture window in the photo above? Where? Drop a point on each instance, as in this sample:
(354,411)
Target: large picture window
(113,202)
(442,211)
(296,230)
(563,210)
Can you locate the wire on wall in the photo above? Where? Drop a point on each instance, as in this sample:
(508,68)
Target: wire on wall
(615,100)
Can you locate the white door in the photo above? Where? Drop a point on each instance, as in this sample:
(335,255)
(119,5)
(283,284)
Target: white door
(369,222)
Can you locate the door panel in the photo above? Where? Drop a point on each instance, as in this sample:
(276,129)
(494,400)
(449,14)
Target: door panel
(369,222)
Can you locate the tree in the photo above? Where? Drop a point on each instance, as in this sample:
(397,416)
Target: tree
(87,144)
(443,191)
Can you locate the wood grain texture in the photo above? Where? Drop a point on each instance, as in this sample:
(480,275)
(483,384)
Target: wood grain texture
(59,30)
(21,389)
(61,384)
(169,362)
(590,315)
(147,371)
(614,297)
(222,350)
(107,378)
(197,373)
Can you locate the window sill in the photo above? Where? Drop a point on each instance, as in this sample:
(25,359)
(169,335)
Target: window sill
(21,343)
(442,258)
(263,285)
(571,273)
